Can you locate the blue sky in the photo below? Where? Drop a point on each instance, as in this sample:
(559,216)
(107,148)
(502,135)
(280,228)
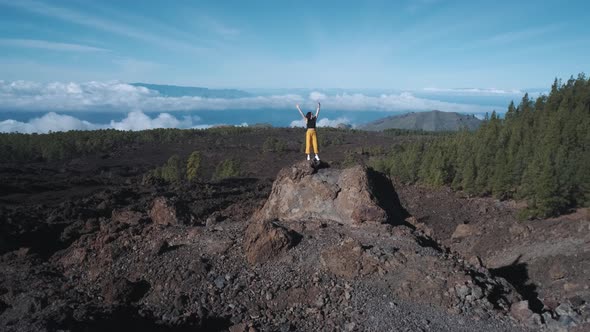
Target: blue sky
(411,44)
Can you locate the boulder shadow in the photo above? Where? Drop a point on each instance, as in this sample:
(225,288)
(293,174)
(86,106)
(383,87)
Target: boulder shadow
(517,275)
(167,248)
(387,198)
(425,241)
(140,289)
(317,165)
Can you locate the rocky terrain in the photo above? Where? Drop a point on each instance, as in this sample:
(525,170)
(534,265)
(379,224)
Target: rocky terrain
(548,261)
(87,245)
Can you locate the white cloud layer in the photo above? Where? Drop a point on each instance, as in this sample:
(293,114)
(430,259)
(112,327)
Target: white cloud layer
(317,96)
(57,96)
(323,122)
(135,120)
(139,121)
(48,122)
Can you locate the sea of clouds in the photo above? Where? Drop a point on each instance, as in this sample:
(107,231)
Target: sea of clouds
(135,120)
(139,103)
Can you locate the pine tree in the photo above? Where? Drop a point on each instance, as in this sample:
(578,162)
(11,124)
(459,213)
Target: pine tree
(511,113)
(548,199)
(192,165)
(539,152)
(501,179)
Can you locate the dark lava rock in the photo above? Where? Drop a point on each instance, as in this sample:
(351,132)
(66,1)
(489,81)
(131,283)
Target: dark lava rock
(165,211)
(123,291)
(264,240)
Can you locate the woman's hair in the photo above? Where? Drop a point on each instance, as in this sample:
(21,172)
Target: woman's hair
(308,115)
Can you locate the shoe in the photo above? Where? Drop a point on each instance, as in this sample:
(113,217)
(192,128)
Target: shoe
(308,158)
(317,157)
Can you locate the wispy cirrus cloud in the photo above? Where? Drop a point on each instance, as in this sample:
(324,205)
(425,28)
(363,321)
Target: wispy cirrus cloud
(83,19)
(49,45)
(519,35)
(509,37)
(218,27)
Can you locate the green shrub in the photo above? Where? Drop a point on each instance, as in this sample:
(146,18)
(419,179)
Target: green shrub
(381,165)
(227,169)
(273,144)
(351,159)
(170,172)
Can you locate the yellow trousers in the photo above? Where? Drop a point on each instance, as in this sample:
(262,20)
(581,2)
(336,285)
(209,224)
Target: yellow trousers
(311,138)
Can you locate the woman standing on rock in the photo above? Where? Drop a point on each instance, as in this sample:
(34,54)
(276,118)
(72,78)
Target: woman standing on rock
(310,134)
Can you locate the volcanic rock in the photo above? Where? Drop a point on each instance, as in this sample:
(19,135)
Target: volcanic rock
(242,327)
(126,216)
(165,211)
(121,290)
(213,219)
(264,240)
(348,259)
(350,196)
(520,310)
(462,231)
(159,247)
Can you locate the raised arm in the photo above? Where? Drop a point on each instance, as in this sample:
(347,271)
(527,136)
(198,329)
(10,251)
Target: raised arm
(317,111)
(300,112)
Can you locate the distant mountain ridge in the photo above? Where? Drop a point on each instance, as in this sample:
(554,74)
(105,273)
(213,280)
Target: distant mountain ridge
(427,121)
(181,91)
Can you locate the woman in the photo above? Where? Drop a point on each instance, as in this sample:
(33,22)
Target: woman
(310,135)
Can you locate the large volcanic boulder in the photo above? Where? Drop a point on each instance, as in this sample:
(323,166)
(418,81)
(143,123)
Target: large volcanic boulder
(349,196)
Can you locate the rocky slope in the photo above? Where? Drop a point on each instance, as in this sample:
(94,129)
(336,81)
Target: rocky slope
(546,260)
(224,257)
